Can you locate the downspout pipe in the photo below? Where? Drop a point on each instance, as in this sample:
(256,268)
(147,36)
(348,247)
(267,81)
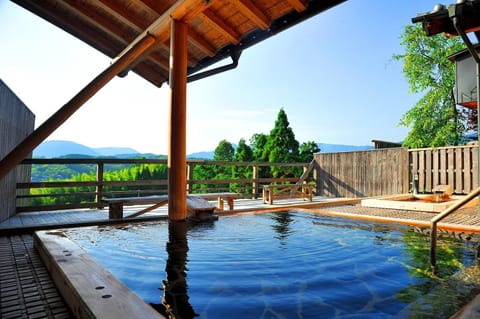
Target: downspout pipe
(456,24)
(235,55)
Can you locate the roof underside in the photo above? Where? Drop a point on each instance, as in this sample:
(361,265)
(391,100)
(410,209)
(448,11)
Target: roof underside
(217,28)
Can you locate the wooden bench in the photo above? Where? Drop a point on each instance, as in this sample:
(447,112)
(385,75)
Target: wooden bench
(283,191)
(115,205)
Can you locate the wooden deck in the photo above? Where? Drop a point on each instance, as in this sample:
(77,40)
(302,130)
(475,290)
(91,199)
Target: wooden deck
(26,289)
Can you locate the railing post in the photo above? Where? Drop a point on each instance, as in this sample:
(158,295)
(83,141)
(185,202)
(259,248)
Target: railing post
(190,167)
(99,190)
(433,248)
(255,182)
(435,220)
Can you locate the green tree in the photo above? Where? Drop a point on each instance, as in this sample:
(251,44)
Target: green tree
(307,149)
(258,142)
(243,153)
(281,146)
(434,120)
(224,151)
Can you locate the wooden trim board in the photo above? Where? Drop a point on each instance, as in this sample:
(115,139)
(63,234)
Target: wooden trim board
(89,289)
(403,202)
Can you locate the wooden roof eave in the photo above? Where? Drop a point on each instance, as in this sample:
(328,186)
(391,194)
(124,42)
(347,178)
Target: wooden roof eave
(260,35)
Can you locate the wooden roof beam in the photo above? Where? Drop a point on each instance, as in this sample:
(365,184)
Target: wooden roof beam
(113,31)
(298,5)
(122,13)
(252,12)
(201,43)
(160,27)
(219,25)
(97,20)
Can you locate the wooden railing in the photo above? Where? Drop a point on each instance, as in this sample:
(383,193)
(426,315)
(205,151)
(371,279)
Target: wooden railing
(94,191)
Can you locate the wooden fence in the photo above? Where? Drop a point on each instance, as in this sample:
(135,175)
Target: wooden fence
(393,171)
(344,174)
(455,166)
(91,192)
(363,173)
(16,122)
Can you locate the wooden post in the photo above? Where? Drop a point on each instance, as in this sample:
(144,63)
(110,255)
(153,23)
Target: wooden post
(177,150)
(190,167)
(99,189)
(255,182)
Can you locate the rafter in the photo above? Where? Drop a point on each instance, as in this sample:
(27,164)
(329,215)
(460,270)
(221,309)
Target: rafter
(126,15)
(219,25)
(298,5)
(201,43)
(252,12)
(97,20)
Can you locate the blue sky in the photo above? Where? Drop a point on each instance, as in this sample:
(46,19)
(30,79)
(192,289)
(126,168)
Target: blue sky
(333,74)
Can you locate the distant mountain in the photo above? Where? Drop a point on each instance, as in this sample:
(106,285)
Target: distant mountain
(51,149)
(56,148)
(114,151)
(201,155)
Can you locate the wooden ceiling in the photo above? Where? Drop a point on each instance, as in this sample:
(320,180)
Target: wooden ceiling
(218,29)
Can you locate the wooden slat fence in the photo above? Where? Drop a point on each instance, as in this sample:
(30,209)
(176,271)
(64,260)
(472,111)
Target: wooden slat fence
(364,173)
(456,166)
(16,122)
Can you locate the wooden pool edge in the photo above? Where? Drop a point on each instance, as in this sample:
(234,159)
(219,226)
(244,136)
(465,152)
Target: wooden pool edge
(89,290)
(400,201)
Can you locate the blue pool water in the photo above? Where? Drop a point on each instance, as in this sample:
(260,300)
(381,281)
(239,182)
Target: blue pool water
(283,265)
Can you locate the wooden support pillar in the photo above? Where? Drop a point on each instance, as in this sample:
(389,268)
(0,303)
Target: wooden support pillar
(49,126)
(177,150)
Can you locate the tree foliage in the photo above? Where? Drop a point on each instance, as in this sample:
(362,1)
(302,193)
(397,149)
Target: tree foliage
(224,151)
(281,146)
(258,142)
(307,149)
(434,120)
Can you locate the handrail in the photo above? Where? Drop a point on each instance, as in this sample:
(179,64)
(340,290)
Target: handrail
(93,191)
(434,221)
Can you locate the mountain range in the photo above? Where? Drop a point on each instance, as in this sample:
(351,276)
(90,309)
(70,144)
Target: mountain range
(57,148)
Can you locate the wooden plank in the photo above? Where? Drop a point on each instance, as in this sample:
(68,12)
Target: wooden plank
(435,168)
(252,12)
(402,202)
(89,289)
(451,167)
(220,26)
(421,172)
(467,170)
(298,5)
(458,171)
(201,43)
(443,166)
(428,170)
(148,209)
(475,172)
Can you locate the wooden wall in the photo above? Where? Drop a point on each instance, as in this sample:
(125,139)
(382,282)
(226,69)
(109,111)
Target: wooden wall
(16,122)
(456,166)
(364,173)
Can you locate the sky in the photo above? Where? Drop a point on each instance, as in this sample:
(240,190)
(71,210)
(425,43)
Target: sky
(333,75)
